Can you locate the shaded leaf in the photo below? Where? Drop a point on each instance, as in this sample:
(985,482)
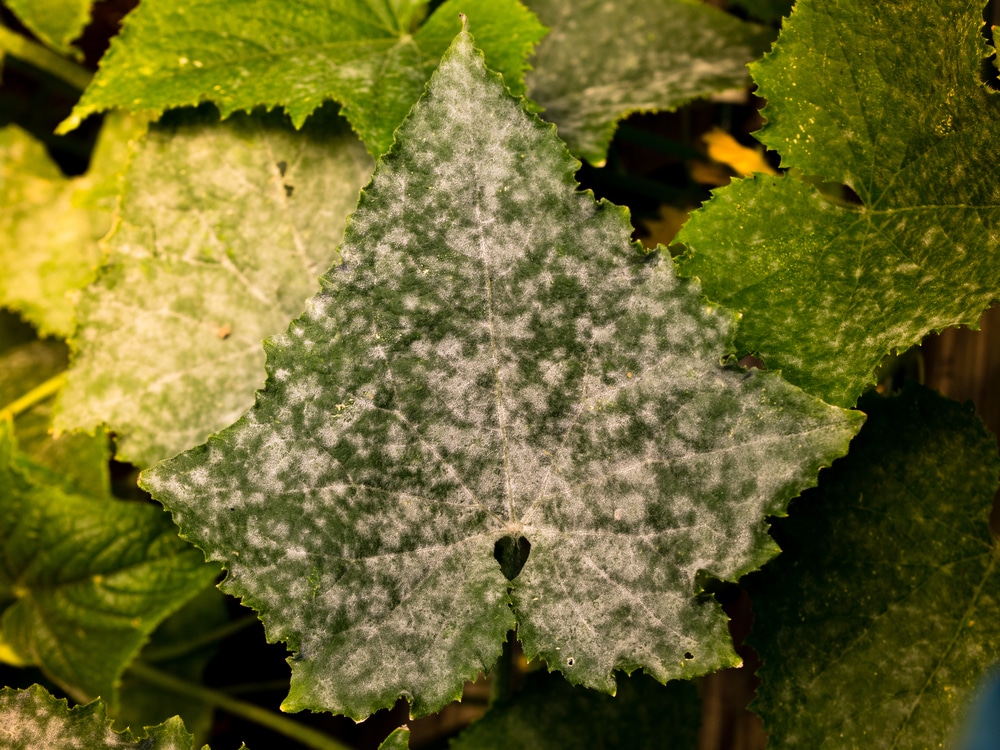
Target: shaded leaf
(79,461)
(883,612)
(55,22)
(827,289)
(494,359)
(50,225)
(765,10)
(372,57)
(550,714)
(398,740)
(223,230)
(143,703)
(32,719)
(84,579)
(653,57)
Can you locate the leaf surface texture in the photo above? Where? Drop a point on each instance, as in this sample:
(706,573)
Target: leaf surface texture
(371,56)
(223,231)
(494,359)
(653,56)
(828,288)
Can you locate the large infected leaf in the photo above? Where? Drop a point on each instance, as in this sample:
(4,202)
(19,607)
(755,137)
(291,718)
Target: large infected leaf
(223,230)
(33,719)
(371,56)
(55,22)
(50,224)
(84,579)
(882,614)
(827,289)
(495,360)
(653,56)
(549,714)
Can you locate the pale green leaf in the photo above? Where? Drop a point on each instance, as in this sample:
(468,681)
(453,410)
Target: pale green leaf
(223,231)
(84,579)
(33,719)
(50,225)
(882,614)
(826,288)
(652,56)
(55,22)
(495,359)
(78,461)
(365,54)
(549,714)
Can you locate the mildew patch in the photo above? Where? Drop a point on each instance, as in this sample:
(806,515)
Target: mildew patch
(494,359)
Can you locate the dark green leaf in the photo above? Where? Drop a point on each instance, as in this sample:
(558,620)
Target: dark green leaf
(883,612)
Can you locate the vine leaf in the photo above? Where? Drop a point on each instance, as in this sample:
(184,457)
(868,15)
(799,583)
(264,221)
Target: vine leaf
(33,719)
(50,224)
(494,359)
(883,612)
(56,22)
(664,55)
(85,579)
(222,232)
(549,714)
(372,57)
(826,288)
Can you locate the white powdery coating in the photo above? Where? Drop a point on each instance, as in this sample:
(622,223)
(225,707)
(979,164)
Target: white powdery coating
(494,358)
(30,720)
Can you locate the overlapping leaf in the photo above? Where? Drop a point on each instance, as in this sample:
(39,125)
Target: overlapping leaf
(33,719)
(883,612)
(371,56)
(653,56)
(494,359)
(826,290)
(223,231)
(84,580)
(55,22)
(549,714)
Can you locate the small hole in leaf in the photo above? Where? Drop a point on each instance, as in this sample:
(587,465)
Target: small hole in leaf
(511,553)
(289,189)
(688,655)
(282,167)
(570,661)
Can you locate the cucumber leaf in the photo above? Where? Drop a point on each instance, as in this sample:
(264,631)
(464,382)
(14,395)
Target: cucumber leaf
(372,57)
(84,579)
(222,232)
(56,22)
(33,719)
(495,360)
(653,56)
(828,288)
(883,612)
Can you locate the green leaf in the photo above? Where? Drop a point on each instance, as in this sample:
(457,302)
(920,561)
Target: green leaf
(79,462)
(653,56)
(549,714)
(55,22)
(827,289)
(84,579)
(33,719)
(398,740)
(366,54)
(143,703)
(222,232)
(49,224)
(883,612)
(494,359)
